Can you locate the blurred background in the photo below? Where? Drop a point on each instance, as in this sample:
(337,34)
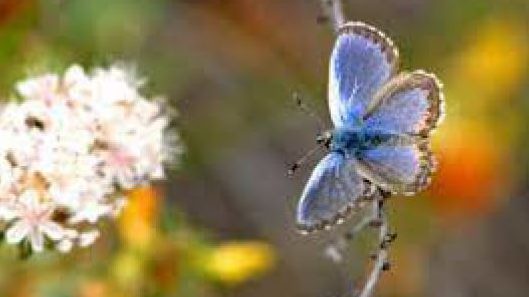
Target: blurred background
(222,224)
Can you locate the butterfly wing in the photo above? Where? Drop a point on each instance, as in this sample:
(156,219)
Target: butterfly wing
(409,107)
(333,188)
(363,59)
(410,103)
(404,168)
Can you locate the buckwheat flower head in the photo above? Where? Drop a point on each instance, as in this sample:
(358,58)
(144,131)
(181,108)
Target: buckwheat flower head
(70,148)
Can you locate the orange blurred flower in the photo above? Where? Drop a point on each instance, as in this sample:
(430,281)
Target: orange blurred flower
(137,224)
(471,171)
(473,149)
(94,288)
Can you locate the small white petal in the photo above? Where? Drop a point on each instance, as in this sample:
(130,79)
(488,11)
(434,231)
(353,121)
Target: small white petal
(37,241)
(17,232)
(65,246)
(30,199)
(53,230)
(158,172)
(74,74)
(70,233)
(88,238)
(7,214)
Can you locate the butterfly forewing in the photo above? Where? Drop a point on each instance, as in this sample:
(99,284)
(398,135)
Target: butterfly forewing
(333,188)
(363,60)
(410,103)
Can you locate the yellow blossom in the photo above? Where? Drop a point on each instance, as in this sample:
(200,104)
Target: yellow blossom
(235,262)
(493,61)
(127,270)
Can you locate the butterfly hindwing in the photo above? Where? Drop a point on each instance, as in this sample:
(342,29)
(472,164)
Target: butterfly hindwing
(410,103)
(405,168)
(333,188)
(363,59)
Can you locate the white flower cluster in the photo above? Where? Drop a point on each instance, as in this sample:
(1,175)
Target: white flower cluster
(69,149)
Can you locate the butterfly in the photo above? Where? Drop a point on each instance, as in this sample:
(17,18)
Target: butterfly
(382,122)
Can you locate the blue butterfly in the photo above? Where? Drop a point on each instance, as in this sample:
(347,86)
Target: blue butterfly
(382,120)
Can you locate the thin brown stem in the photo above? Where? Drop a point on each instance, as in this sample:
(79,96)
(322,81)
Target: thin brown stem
(367,221)
(333,11)
(381,259)
(377,219)
(336,249)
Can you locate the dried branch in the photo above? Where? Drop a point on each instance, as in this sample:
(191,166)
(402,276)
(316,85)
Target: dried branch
(372,220)
(336,249)
(381,258)
(333,10)
(376,219)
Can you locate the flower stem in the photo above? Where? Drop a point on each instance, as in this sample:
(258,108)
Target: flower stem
(24,250)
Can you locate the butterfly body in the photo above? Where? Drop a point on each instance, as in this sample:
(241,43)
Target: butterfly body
(382,125)
(350,142)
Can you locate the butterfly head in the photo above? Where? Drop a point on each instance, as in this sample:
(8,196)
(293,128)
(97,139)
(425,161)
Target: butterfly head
(324,139)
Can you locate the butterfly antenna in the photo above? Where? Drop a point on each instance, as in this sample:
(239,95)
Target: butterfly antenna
(298,100)
(296,165)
